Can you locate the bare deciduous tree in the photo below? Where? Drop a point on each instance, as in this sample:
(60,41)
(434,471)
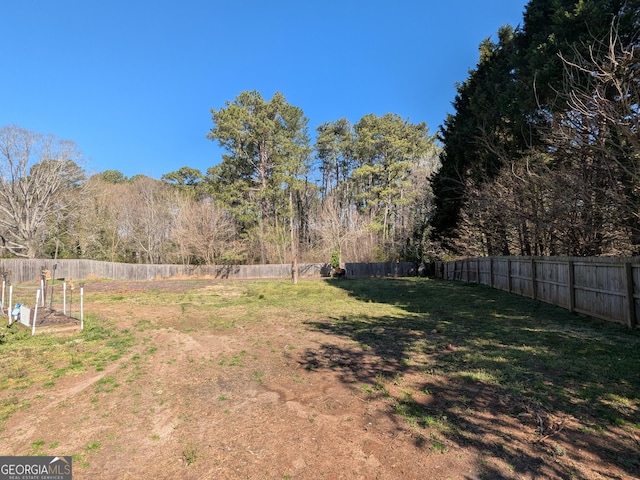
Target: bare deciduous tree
(601,127)
(152,210)
(342,230)
(204,232)
(100,227)
(35,171)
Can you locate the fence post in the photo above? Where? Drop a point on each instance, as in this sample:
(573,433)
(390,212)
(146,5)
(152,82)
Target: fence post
(491,272)
(10,307)
(477,270)
(572,289)
(35,313)
(42,287)
(82,306)
(533,278)
(509,286)
(631,302)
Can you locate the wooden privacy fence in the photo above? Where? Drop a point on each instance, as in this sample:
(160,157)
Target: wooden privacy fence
(23,270)
(605,288)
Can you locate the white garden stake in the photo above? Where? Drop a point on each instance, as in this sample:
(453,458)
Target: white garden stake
(10,301)
(81,306)
(35,313)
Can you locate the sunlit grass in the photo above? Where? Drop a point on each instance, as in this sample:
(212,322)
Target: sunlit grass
(43,359)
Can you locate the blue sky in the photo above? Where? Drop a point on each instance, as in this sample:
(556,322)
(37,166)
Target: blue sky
(132,82)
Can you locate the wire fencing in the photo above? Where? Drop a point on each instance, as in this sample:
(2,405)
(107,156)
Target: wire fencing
(46,303)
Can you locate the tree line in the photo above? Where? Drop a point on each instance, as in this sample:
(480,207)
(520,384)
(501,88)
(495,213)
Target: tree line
(542,153)
(359,193)
(541,156)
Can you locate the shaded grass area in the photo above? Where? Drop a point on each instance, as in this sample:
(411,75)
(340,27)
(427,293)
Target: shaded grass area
(471,351)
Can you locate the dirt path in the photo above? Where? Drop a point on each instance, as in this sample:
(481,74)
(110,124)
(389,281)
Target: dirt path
(228,405)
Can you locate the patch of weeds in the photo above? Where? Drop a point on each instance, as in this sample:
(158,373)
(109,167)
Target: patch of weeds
(76,365)
(79,460)
(106,384)
(190,454)
(592,429)
(49,384)
(93,447)
(429,421)
(155,437)
(11,405)
(37,445)
(558,450)
(54,444)
(367,389)
(121,344)
(235,361)
(144,324)
(479,375)
(258,376)
(406,410)
(216,322)
(184,418)
(407,396)
(380,384)
(222,398)
(133,376)
(96,331)
(437,445)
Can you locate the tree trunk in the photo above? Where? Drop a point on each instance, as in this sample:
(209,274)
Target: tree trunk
(294,250)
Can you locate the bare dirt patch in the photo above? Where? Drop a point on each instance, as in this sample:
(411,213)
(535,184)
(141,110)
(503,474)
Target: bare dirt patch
(279,399)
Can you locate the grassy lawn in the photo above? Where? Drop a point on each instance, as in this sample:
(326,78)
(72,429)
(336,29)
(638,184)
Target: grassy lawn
(458,363)
(527,349)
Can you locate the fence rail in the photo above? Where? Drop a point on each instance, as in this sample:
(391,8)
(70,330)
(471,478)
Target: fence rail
(24,270)
(605,288)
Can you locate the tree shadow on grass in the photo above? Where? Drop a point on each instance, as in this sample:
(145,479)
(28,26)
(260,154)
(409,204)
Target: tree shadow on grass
(532,388)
